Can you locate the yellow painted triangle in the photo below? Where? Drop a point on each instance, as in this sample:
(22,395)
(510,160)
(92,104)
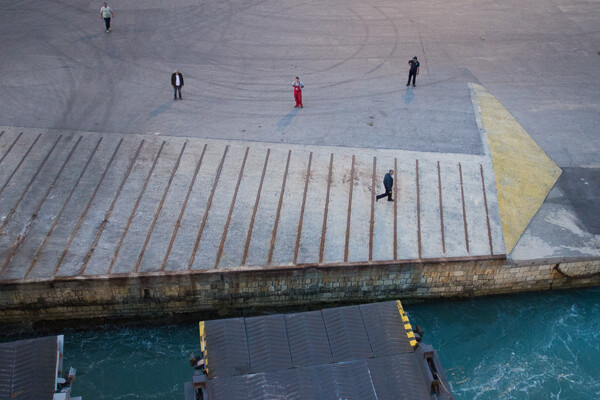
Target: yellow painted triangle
(524,172)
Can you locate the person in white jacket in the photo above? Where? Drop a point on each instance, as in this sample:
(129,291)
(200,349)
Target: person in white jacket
(107,13)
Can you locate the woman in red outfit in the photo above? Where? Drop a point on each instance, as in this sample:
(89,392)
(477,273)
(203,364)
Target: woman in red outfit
(298,92)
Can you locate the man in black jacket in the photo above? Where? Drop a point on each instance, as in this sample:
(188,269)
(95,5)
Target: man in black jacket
(413,71)
(388,182)
(177,83)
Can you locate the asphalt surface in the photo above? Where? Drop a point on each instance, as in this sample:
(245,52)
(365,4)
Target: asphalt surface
(541,59)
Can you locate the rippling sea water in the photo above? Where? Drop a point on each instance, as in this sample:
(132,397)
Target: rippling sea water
(530,346)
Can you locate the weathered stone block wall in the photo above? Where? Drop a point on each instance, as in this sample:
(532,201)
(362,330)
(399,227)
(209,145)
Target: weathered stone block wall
(131,297)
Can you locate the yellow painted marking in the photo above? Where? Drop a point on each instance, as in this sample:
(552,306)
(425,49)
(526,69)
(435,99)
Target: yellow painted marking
(202,336)
(203,344)
(399,305)
(524,172)
(407,326)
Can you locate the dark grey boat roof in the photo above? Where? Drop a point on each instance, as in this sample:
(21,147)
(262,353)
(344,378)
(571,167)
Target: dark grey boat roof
(356,352)
(28,369)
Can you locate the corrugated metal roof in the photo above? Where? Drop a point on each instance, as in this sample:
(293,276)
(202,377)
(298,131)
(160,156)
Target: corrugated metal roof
(307,331)
(385,330)
(268,343)
(228,351)
(28,369)
(358,352)
(395,378)
(347,333)
(398,377)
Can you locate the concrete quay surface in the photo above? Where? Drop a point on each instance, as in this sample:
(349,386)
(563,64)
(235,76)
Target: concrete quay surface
(89,188)
(91,204)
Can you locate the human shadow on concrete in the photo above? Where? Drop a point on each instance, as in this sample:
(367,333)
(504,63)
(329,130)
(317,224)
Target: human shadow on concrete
(161,109)
(409,95)
(286,120)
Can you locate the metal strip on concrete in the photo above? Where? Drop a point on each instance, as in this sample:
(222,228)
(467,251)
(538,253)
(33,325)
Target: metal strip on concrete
(231,208)
(111,233)
(291,208)
(385,214)
(360,243)
(442,207)
(178,257)
(256,203)
(45,259)
(314,211)
(141,204)
(464,210)
(407,227)
(431,237)
(21,160)
(10,147)
(115,197)
(219,205)
(171,219)
(260,245)
(125,254)
(85,211)
(337,217)
(28,225)
(32,222)
(159,208)
(31,181)
(454,241)
(326,211)
(302,210)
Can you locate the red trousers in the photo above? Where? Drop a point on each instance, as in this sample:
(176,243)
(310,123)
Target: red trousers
(298,97)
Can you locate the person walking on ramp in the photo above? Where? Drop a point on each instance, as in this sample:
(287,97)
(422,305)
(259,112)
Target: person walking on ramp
(298,92)
(414,70)
(107,13)
(388,182)
(177,83)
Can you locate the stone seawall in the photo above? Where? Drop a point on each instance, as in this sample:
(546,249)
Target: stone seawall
(169,295)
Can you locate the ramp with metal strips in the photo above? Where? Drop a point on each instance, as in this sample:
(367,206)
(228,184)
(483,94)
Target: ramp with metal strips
(88,205)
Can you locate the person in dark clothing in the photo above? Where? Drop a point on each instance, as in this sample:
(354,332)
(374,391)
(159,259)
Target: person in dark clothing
(177,83)
(413,71)
(388,182)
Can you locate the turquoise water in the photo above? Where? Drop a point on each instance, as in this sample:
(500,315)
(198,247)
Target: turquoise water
(530,346)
